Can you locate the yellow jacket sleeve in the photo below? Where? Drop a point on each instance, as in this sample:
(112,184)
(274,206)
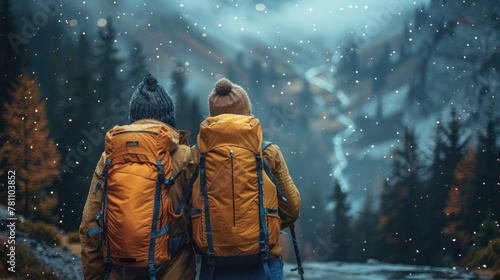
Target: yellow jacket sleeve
(289,210)
(92,259)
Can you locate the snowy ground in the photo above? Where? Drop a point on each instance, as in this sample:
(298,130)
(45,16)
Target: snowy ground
(67,266)
(359,271)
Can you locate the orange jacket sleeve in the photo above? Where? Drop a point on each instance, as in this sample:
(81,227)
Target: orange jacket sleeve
(92,259)
(290,210)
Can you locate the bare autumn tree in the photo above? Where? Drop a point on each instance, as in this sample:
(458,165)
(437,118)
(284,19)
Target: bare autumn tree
(29,151)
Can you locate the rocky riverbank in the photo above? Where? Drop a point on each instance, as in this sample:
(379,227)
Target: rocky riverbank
(59,261)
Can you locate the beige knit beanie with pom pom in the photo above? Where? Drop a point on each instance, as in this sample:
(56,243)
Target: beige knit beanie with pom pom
(228,98)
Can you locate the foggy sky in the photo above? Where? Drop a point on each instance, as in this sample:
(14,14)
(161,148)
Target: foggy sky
(304,33)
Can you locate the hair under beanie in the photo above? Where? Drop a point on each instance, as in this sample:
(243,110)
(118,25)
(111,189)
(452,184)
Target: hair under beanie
(151,101)
(228,98)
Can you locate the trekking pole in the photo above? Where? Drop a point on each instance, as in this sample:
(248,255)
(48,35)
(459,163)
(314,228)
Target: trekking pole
(299,267)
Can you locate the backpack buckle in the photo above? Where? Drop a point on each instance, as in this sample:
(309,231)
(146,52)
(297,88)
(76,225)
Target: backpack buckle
(98,186)
(169,182)
(264,253)
(211,258)
(99,220)
(161,173)
(259,161)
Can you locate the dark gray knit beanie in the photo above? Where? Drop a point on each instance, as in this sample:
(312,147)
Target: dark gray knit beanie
(151,101)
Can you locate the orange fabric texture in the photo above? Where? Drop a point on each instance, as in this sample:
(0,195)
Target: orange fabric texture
(231,143)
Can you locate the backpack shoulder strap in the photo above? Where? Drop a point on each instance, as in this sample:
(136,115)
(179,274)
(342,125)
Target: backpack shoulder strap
(187,193)
(269,173)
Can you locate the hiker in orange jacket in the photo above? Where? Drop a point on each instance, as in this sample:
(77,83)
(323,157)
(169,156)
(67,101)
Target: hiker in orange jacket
(150,104)
(229,98)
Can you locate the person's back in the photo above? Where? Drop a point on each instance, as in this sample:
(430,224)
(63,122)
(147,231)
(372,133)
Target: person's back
(233,179)
(151,109)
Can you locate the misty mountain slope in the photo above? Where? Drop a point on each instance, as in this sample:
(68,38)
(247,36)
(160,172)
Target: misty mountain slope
(450,63)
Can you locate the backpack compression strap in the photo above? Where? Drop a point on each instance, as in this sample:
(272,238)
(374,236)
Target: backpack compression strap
(264,234)
(204,193)
(156,209)
(171,181)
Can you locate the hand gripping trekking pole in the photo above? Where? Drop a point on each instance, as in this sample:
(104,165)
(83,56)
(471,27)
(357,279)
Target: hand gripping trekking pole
(299,267)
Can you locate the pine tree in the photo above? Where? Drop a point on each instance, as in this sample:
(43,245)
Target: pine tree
(109,84)
(137,61)
(349,62)
(79,151)
(487,232)
(257,82)
(187,111)
(138,68)
(313,217)
(82,83)
(74,96)
(480,246)
(391,222)
(404,49)
(454,138)
(52,70)
(340,232)
(196,118)
(364,232)
(13,54)
(488,190)
(236,69)
(458,207)
(29,150)
(181,96)
(381,70)
(402,208)
(449,147)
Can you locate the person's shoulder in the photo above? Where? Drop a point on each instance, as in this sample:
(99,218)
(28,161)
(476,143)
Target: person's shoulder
(271,152)
(183,137)
(195,153)
(100,164)
(270,147)
(183,151)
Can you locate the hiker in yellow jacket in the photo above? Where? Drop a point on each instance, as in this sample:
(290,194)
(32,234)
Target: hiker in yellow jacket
(150,104)
(228,102)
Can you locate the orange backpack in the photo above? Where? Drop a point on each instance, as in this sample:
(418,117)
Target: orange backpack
(135,206)
(235,217)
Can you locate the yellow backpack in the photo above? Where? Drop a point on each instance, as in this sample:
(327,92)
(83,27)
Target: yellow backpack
(135,206)
(235,219)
